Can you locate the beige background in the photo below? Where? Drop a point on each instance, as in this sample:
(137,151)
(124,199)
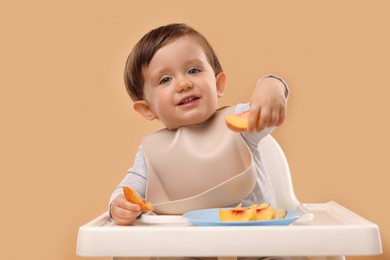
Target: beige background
(68,132)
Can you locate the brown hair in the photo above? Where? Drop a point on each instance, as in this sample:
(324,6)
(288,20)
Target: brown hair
(150,43)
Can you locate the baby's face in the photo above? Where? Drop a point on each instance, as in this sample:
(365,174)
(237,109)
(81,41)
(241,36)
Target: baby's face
(180,86)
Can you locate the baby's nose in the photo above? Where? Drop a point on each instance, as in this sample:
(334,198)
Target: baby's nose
(183,85)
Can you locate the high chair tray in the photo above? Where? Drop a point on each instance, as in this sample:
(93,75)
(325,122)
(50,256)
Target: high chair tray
(334,230)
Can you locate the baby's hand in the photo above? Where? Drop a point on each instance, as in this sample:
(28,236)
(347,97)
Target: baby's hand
(268,104)
(124,212)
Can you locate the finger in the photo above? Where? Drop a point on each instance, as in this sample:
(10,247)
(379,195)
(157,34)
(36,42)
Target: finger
(129,206)
(263,120)
(274,119)
(124,213)
(282,116)
(124,221)
(121,202)
(124,208)
(124,217)
(252,118)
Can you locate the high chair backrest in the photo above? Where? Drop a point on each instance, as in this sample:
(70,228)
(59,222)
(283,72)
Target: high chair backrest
(277,167)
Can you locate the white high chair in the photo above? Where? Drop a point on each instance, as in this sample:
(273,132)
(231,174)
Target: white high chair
(327,231)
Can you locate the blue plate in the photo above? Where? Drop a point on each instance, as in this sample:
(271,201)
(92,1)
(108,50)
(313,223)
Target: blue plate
(210,217)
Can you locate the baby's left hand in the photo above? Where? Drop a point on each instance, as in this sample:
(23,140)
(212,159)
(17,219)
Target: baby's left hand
(268,104)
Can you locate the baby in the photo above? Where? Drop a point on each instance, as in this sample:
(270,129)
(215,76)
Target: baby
(173,75)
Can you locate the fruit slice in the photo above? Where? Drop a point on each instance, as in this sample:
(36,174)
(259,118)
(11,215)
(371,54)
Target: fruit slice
(261,211)
(280,213)
(132,196)
(237,214)
(238,122)
(265,213)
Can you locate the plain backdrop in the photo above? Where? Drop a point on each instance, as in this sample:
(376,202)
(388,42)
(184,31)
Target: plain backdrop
(69,134)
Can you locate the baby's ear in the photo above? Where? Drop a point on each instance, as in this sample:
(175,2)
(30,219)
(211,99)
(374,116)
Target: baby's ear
(142,107)
(220,83)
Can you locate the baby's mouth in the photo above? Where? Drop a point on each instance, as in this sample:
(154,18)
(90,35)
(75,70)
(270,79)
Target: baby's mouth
(188,100)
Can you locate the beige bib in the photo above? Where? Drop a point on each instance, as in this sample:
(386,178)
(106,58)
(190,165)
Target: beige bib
(200,166)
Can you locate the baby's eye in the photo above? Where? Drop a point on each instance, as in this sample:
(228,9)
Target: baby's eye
(165,80)
(193,71)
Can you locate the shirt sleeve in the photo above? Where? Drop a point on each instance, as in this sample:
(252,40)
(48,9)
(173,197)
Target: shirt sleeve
(135,178)
(287,90)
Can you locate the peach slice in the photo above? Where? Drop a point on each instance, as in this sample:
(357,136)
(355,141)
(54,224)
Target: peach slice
(255,212)
(132,196)
(238,122)
(267,213)
(280,213)
(237,214)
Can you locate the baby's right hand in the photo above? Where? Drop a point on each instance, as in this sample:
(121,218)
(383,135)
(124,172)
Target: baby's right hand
(124,212)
